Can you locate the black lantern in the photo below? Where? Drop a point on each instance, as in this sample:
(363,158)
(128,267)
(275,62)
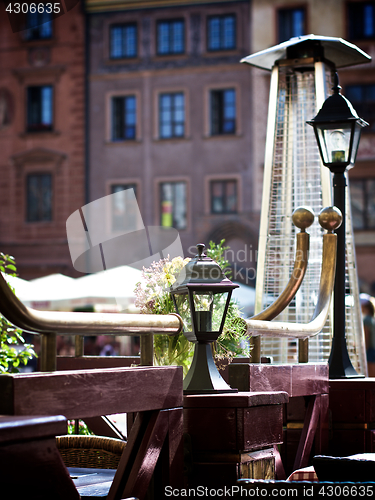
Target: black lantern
(201,295)
(337,129)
